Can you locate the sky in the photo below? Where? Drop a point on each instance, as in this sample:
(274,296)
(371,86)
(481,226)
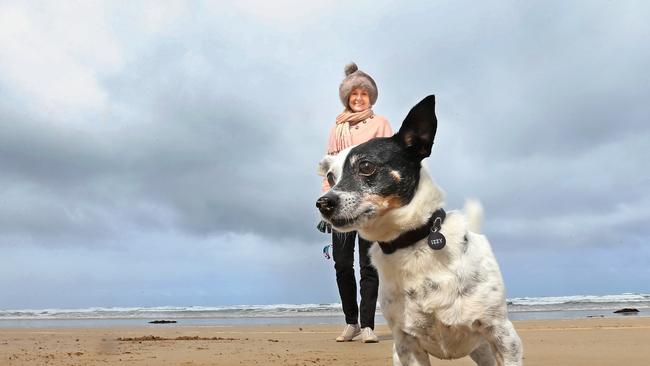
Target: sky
(164,153)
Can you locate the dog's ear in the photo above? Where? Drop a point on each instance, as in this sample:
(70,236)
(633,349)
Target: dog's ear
(324,165)
(419,128)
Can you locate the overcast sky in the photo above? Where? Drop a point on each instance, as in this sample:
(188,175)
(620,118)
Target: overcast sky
(164,153)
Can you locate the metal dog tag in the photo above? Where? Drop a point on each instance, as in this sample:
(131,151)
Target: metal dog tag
(436,240)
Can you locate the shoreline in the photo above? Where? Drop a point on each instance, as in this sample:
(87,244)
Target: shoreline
(593,341)
(279,320)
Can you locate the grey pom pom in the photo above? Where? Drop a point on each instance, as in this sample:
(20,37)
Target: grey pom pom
(350,68)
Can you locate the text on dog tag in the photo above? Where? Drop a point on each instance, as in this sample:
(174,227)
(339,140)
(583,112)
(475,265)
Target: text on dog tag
(436,240)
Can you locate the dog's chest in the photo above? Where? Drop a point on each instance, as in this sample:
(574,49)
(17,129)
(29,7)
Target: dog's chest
(421,299)
(413,316)
(439,339)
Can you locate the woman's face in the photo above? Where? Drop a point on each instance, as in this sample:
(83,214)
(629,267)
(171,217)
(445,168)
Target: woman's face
(359,100)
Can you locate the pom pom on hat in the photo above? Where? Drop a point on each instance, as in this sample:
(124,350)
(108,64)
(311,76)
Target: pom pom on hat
(350,68)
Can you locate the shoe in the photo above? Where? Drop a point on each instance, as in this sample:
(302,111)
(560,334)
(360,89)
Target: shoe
(350,331)
(368,336)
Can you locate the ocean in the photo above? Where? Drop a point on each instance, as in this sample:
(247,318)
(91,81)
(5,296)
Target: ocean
(523,308)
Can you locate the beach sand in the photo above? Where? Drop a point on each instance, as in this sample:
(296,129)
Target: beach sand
(594,341)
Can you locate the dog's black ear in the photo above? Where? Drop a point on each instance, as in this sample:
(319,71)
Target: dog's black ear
(419,128)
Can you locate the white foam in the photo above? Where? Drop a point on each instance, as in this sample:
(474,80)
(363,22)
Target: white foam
(519,304)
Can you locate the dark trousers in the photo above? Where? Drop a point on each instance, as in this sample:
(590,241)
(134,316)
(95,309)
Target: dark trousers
(343,253)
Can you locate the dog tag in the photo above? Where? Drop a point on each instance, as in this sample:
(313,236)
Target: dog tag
(436,240)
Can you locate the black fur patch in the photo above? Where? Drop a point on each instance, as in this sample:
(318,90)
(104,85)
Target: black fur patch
(467,288)
(388,155)
(478,276)
(411,293)
(430,286)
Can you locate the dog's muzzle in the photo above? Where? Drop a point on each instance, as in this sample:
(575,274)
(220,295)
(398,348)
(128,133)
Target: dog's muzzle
(327,204)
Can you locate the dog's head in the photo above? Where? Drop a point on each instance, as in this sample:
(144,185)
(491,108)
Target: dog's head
(378,176)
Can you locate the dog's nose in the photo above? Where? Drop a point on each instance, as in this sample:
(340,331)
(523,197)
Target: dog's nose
(327,204)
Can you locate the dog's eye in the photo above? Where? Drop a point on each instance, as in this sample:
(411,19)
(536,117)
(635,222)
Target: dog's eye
(367,168)
(330,179)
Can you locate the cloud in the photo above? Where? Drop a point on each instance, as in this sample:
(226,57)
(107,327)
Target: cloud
(204,123)
(219,145)
(53,64)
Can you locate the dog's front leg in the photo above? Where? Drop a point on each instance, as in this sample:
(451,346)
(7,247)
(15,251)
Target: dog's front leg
(483,355)
(505,343)
(407,351)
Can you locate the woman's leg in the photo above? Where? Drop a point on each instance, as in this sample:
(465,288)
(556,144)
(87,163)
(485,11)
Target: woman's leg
(343,254)
(369,285)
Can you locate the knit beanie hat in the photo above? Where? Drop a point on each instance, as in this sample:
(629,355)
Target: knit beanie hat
(356,78)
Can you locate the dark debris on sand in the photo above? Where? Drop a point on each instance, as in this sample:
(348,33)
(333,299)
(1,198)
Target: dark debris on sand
(181,338)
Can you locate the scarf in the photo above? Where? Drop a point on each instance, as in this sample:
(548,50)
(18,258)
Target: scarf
(342,137)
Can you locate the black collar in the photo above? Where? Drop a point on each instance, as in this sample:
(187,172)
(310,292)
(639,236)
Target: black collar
(413,236)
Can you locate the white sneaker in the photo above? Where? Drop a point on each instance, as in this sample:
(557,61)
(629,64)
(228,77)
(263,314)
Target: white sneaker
(350,331)
(368,336)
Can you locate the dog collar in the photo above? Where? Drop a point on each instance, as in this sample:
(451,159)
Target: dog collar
(431,229)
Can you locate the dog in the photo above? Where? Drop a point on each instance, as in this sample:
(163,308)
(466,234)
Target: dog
(441,290)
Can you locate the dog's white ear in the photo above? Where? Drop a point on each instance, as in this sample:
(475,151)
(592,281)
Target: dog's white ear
(419,128)
(324,165)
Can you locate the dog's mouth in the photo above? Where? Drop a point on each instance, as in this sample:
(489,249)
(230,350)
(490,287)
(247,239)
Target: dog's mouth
(350,223)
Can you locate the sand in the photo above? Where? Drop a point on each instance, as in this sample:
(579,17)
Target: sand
(595,341)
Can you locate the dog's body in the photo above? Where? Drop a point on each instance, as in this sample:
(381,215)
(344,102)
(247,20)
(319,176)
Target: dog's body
(447,302)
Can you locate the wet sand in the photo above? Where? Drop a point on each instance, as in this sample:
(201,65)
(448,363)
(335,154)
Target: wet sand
(595,341)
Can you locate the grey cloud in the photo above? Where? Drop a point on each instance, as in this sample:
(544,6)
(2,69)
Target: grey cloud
(203,152)
(217,162)
(211,135)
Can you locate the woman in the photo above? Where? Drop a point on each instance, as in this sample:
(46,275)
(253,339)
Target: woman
(357,124)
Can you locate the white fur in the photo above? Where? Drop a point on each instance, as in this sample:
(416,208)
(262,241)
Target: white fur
(333,164)
(448,303)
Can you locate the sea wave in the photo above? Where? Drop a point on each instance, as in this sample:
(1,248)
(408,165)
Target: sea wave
(274,310)
(580,299)
(519,304)
(579,302)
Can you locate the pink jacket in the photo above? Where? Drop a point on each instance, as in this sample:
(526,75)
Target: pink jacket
(376,126)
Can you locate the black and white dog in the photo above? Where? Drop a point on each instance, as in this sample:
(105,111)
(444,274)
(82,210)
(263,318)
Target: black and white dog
(441,290)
